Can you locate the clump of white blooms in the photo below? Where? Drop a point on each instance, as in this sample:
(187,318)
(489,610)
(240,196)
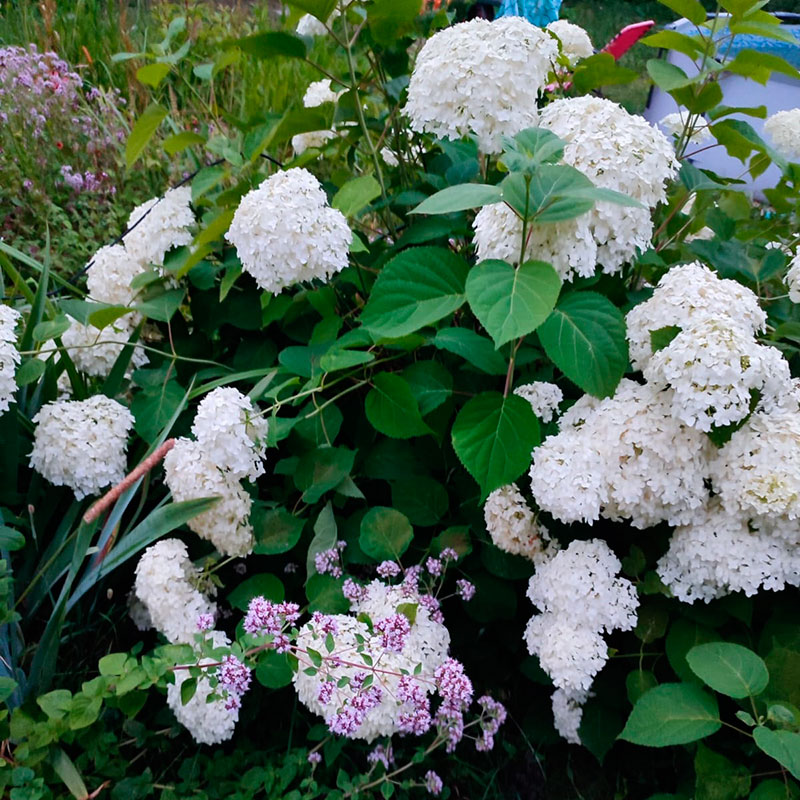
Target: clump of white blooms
(757,473)
(544,398)
(675,125)
(309,25)
(784,130)
(230,434)
(160,224)
(615,150)
(317,93)
(625,457)
(95,351)
(513,526)
(480,77)
(190,473)
(9,355)
(792,278)
(686,295)
(165,585)
(285,232)
(423,646)
(208,722)
(109,276)
(720,552)
(713,368)
(568,713)
(580,596)
(81,443)
(575,41)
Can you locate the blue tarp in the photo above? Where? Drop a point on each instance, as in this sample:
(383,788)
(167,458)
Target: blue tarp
(539,12)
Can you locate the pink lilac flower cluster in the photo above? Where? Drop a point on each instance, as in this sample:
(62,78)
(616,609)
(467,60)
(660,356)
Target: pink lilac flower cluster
(265,618)
(415,714)
(388,569)
(314,758)
(493,715)
(433,783)
(353,591)
(352,713)
(205,622)
(456,691)
(234,679)
(328,562)
(394,630)
(465,589)
(381,755)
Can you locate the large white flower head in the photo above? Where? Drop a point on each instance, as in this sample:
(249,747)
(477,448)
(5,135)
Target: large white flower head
(110,274)
(792,279)
(159,225)
(616,150)
(580,584)
(720,553)
(309,25)
(285,232)
(480,77)
(513,526)
(81,443)
(9,355)
(686,295)
(676,124)
(166,585)
(230,433)
(757,473)
(191,474)
(575,41)
(207,722)
(94,351)
(337,682)
(625,457)
(570,654)
(305,141)
(784,130)
(544,398)
(713,368)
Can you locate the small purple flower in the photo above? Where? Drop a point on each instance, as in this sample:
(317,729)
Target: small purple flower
(411,581)
(324,623)
(388,569)
(433,606)
(393,630)
(433,783)
(205,622)
(465,589)
(448,554)
(353,591)
(346,721)
(381,755)
(27,184)
(327,562)
(453,685)
(233,702)
(314,758)
(263,617)
(325,693)
(290,568)
(234,676)
(434,566)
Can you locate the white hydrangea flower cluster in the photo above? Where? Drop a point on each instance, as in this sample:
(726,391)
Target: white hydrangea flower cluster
(285,232)
(317,93)
(580,596)
(230,434)
(544,398)
(426,644)
(713,363)
(513,526)
(81,443)
(109,276)
(792,279)
(160,224)
(676,123)
(309,25)
(625,457)
(9,355)
(575,41)
(165,585)
(230,445)
(784,130)
(616,150)
(95,351)
(208,722)
(721,552)
(480,77)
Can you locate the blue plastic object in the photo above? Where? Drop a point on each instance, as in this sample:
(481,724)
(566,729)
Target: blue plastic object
(538,12)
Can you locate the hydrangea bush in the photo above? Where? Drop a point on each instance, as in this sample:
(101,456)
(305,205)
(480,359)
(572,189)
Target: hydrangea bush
(438,434)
